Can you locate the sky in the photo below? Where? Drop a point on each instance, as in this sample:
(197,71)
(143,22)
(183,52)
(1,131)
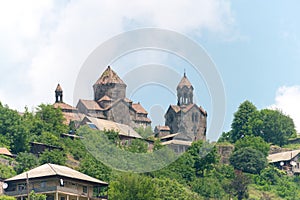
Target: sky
(255,46)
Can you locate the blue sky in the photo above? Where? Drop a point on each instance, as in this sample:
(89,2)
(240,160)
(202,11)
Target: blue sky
(255,45)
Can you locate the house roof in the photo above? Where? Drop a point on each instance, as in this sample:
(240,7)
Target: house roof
(162,128)
(123,129)
(177,142)
(139,108)
(169,136)
(185,109)
(184,82)
(55,170)
(58,88)
(90,104)
(283,156)
(109,76)
(5,151)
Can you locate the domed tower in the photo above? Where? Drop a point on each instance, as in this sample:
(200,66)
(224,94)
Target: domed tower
(109,84)
(58,94)
(184,92)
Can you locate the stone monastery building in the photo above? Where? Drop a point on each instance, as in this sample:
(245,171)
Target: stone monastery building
(186,120)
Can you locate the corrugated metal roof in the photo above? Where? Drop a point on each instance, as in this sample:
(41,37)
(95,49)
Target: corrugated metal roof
(123,129)
(54,170)
(283,156)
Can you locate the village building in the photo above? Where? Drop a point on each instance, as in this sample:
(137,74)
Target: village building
(57,183)
(288,161)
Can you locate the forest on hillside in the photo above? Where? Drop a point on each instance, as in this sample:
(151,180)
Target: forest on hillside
(192,176)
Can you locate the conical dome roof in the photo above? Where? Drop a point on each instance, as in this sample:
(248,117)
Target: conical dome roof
(109,76)
(184,82)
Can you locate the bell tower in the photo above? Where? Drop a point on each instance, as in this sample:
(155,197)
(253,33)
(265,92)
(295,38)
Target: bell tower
(58,94)
(184,92)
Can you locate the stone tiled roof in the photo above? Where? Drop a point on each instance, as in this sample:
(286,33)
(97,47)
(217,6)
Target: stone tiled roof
(143,119)
(105,98)
(175,108)
(139,108)
(72,116)
(128,100)
(184,82)
(64,106)
(109,76)
(186,108)
(123,129)
(58,88)
(90,104)
(169,136)
(283,156)
(55,170)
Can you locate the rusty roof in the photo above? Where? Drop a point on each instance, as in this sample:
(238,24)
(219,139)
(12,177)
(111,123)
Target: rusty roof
(58,88)
(139,108)
(109,76)
(184,82)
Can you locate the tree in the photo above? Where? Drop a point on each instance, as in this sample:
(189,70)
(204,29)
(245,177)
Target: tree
(129,186)
(254,142)
(54,157)
(6,171)
(240,124)
(138,146)
(35,196)
(204,155)
(26,161)
(94,168)
(239,185)
(273,126)
(144,132)
(248,160)
(4,197)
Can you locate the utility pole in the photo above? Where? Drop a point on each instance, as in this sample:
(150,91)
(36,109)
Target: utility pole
(27,186)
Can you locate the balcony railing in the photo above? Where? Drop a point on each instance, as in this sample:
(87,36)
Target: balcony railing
(46,189)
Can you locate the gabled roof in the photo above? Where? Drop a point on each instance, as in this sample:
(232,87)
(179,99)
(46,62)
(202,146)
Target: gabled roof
(177,142)
(123,129)
(162,128)
(58,88)
(109,76)
(55,170)
(184,82)
(105,98)
(139,108)
(283,156)
(90,104)
(185,109)
(5,151)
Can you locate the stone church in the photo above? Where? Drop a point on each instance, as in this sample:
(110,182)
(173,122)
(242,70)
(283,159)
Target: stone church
(110,102)
(184,122)
(186,118)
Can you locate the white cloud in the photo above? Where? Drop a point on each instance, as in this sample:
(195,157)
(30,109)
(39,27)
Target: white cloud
(287,100)
(51,39)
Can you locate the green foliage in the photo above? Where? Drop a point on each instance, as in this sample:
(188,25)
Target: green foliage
(204,155)
(248,160)
(94,168)
(240,126)
(144,132)
(208,187)
(6,171)
(138,146)
(239,185)
(273,126)
(48,138)
(26,161)
(75,148)
(4,197)
(112,135)
(129,186)
(54,157)
(34,196)
(254,142)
